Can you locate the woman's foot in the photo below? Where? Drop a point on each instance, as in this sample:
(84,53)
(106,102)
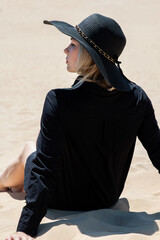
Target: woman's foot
(17,189)
(3,188)
(12,177)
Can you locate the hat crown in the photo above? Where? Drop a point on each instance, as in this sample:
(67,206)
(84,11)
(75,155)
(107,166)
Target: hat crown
(105,33)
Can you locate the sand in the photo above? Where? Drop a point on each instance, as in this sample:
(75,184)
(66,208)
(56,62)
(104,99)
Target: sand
(32,62)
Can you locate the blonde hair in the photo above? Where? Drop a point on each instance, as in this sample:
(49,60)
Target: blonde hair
(89,71)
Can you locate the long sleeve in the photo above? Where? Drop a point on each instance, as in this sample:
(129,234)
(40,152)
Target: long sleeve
(41,178)
(149,135)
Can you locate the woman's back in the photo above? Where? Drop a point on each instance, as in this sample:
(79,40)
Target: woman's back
(98,134)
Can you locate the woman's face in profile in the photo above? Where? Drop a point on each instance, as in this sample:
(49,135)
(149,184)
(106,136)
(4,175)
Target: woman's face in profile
(72,52)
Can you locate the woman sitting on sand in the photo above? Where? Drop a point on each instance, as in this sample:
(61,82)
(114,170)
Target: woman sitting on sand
(88,132)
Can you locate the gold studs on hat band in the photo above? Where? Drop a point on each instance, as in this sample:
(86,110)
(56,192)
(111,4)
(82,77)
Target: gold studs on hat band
(94,45)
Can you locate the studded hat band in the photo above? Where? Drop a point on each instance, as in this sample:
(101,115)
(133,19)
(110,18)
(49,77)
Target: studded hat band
(94,45)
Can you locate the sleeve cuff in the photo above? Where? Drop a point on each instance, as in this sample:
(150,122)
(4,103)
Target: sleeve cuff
(30,220)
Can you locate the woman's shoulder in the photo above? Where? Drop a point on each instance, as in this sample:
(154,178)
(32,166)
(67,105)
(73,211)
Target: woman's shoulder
(140,92)
(58,96)
(62,92)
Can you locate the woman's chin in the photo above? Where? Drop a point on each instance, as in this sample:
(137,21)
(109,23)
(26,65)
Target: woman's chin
(71,70)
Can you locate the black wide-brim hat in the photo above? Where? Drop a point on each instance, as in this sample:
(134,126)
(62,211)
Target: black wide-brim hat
(104,40)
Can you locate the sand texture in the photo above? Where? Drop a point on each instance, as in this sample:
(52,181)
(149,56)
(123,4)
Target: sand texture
(32,62)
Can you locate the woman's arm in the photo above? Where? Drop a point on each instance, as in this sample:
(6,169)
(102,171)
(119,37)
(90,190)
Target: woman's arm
(45,165)
(149,135)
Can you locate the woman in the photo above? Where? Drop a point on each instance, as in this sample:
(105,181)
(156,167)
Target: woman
(88,132)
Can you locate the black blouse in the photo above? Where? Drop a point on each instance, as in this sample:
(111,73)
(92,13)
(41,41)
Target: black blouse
(84,149)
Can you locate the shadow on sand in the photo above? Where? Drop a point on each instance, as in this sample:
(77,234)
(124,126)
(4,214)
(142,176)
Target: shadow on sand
(103,222)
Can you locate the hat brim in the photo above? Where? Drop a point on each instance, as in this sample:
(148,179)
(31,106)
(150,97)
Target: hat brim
(109,70)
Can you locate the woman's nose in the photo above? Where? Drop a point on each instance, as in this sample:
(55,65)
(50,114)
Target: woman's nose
(66,50)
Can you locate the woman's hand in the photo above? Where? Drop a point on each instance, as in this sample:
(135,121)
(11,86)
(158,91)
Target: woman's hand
(19,236)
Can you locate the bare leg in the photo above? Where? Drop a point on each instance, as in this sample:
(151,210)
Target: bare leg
(13,175)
